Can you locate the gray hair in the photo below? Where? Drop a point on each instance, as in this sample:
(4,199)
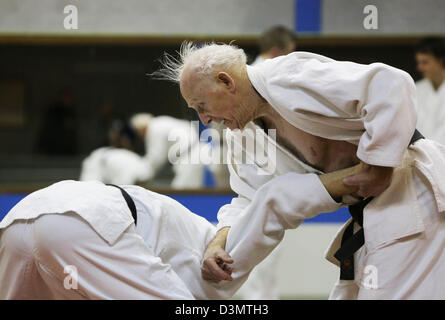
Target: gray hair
(207,59)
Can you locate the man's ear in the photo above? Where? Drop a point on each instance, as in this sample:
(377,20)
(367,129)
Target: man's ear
(227,80)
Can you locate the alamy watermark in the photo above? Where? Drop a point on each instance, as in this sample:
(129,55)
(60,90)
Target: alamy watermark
(70,22)
(370,277)
(371,20)
(248,146)
(71,280)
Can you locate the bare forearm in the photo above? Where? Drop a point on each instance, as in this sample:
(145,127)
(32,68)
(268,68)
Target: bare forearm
(215,266)
(333,181)
(220,238)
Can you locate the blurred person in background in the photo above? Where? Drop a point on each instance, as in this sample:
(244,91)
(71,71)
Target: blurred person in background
(276,41)
(58,135)
(430,58)
(262,283)
(104,119)
(169,139)
(116,163)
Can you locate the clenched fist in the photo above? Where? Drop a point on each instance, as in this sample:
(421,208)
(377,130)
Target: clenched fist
(371,181)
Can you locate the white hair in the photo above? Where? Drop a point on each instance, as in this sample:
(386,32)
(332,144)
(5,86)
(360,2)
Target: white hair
(140,120)
(206,59)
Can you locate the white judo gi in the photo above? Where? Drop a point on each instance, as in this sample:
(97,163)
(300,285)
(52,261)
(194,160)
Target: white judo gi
(373,107)
(262,283)
(114,165)
(88,227)
(178,139)
(431,110)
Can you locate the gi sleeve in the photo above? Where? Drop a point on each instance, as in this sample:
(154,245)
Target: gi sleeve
(375,98)
(228,213)
(244,180)
(283,203)
(388,109)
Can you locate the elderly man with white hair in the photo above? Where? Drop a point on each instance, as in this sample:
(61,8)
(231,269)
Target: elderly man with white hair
(329,115)
(168,139)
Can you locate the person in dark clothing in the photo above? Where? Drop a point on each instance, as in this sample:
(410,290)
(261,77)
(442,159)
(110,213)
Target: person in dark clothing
(59,130)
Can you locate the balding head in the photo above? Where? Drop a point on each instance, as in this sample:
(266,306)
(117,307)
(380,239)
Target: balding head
(204,61)
(213,80)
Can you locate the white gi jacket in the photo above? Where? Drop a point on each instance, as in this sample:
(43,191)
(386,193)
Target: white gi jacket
(431,110)
(372,106)
(113,165)
(93,198)
(167,134)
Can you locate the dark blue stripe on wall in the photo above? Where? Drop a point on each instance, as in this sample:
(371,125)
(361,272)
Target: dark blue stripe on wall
(308,15)
(206,206)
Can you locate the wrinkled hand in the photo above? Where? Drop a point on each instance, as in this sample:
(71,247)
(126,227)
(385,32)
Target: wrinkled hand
(371,181)
(214,266)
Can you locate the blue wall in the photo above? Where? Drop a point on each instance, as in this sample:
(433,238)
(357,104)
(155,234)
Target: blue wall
(203,204)
(308,16)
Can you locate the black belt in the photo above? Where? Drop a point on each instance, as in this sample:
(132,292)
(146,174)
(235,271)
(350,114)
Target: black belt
(350,241)
(129,201)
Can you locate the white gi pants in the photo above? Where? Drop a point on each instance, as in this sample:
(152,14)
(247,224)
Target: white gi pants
(35,256)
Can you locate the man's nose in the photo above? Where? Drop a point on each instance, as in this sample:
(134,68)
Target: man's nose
(204,119)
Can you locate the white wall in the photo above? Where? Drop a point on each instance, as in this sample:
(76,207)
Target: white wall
(215,17)
(160,17)
(410,17)
(303,272)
